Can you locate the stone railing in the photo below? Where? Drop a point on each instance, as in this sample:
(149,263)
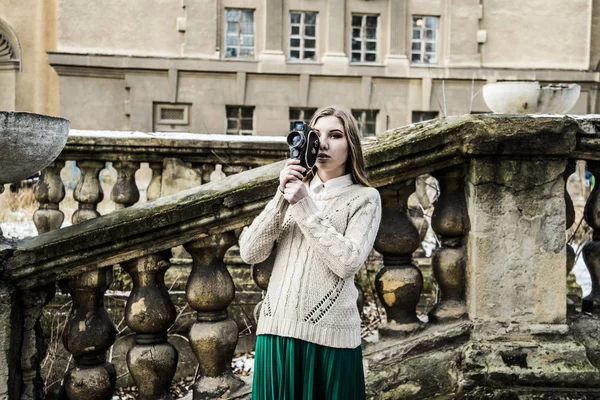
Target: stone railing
(210,157)
(501,219)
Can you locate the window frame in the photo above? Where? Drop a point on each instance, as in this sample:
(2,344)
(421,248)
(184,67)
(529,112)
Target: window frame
(423,41)
(364,38)
(239,118)
(422,114)
(301,36)
(239,35)
(303,115)
(171,125)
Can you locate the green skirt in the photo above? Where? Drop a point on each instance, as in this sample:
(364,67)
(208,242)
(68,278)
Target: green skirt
(292,369)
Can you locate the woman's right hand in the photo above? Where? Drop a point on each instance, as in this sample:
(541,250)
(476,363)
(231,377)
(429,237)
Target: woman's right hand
(290,173)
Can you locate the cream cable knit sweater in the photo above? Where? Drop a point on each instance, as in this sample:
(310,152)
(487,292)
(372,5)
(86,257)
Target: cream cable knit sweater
(322,241)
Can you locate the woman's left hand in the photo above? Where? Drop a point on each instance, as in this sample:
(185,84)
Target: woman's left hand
(294,191)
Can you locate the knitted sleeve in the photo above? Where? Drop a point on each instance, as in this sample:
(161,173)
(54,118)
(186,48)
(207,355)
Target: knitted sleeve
(344,253)
(257,241)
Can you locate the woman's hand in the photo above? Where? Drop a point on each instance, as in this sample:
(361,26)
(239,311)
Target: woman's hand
(295,191)
(290,173)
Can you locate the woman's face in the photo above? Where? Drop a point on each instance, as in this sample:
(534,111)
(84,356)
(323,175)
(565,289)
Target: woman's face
(333,152)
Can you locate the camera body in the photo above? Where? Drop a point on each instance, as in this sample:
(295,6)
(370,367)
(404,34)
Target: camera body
(304,144)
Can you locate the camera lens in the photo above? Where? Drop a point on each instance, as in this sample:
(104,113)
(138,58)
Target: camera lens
(295,139)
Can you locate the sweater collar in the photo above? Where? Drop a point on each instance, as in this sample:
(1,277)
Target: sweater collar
(317,186)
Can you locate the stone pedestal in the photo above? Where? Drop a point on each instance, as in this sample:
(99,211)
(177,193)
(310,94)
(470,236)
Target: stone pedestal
(516,244)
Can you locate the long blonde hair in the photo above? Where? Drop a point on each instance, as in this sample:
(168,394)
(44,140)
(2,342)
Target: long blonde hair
(355,164)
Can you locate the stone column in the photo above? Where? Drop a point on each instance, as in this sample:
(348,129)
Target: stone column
(125,193)
(213,338)
(153,191)
(272,57)
(335,59)
(399,282)
(49,191)
(397,60)
(88,192)
(87,336)
(516,252)
(450,222)
(149,313)
(591,251)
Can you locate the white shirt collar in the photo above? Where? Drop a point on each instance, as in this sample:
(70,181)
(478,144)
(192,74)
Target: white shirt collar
(317,186)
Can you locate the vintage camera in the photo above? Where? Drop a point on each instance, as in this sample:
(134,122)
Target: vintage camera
(304,144)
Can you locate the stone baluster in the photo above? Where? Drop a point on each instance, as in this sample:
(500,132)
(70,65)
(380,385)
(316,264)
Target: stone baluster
(49,191)
(591,251)
(261,274)
(399,282)
(88,192)
(153,191)
(125,193)
(450,223)
(87,336)
(214,336)
(149,313)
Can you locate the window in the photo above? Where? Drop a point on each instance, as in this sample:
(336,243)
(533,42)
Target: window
(424,40)
(420,116)
(303,35)
(364,38)
(366,121)
(240,33)
(300,114)
(171,117)
(239,120)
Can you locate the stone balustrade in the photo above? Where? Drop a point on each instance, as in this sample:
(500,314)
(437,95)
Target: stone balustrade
(500,218)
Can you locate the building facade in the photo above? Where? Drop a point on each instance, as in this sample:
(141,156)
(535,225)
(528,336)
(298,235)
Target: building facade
(252,66)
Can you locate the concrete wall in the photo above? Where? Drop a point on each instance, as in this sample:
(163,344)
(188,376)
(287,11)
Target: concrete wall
(112,60)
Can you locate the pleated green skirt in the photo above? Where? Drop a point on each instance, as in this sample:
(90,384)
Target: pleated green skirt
(292,369)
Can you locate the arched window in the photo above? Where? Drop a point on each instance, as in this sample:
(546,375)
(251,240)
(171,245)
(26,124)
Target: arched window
(10,50)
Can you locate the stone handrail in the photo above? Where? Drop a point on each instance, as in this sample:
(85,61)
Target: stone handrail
(495,174)
(394,157)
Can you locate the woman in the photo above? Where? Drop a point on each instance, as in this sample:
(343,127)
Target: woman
(308,343)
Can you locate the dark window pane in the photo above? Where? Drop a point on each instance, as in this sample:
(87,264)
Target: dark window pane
(416,57)
(295,18)
(310,18)
(232,112)
(247,112)
(371,33)
(357,20)
(372,22)
(430,34)
(231,52)
(371,46)
(417,22)
(232,124)
(309,55)
(356,33)
(416,34)
(370,57)
(295,54)
(248,16)
(295,42)
(416,46)
(294,113)
(295,30)
(356,57)
(310,43)
(247,124)
(309,30)
(356,44)
(429,47)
